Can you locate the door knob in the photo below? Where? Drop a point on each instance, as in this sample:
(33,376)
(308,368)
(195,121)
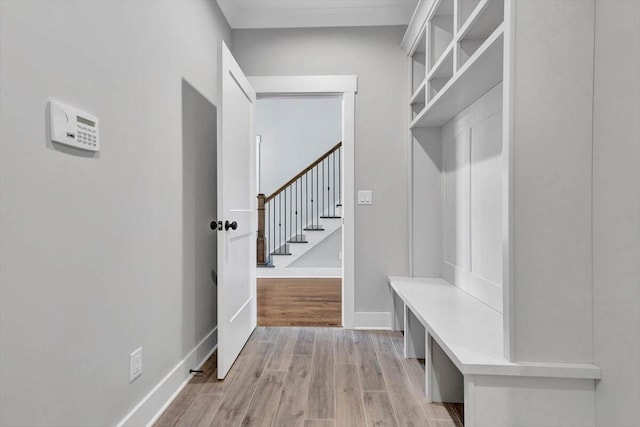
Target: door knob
(230,225)
(216,225)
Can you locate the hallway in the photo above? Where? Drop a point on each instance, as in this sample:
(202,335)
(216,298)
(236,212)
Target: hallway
(299,301)
(313,377)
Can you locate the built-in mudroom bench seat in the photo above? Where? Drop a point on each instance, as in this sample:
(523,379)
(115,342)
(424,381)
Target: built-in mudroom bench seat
(461,340)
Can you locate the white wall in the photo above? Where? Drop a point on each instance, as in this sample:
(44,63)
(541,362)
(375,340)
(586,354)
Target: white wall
(91,261)
(616,212)
(325,254)
(294,132)
(374,55)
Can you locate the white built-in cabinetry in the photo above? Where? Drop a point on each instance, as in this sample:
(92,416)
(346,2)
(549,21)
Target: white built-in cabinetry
(500,138)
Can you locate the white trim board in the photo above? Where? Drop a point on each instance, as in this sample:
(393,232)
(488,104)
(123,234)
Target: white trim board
(381,320)
(416,24)
(295,85)
(151,407)
(346,86)
(315,14)
(307,272)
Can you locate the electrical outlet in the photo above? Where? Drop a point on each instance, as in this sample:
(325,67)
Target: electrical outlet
(135,364)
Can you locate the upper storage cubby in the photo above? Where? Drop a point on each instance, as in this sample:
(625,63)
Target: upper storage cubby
(441,30)
(418,100)
(418,63)
(465,9)
(464,60)
(482,22)
(441,73)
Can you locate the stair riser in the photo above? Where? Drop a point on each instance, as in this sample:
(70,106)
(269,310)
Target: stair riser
(313,238)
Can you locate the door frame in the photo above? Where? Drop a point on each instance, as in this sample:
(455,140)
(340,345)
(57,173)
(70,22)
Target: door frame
(346,87)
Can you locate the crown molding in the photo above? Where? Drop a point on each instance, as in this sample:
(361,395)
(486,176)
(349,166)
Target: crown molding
(244,14)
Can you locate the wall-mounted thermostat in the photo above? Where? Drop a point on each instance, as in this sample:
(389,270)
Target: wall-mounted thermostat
(70,126)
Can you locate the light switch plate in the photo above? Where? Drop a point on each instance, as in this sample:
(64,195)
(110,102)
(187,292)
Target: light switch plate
(135,364)
(365,197)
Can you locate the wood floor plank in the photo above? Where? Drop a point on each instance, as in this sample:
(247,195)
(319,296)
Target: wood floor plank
(378,409)
(405,402)
(300,301)
(209,370)
(397,338)
(371,378)
(349,406)
(345,348)
(444,423)
(415,369)
(305,341)
(266,398)
(382,341)
(282,351)
(321,403)
(459,410)
(319,423)
(440,411)
(213,385)
(188,394)
(179,406)
(306,386)
(201,411)
(266,333)
(238,396)
(293,401)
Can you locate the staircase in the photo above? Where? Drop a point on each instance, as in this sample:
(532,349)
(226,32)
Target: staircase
(299,215)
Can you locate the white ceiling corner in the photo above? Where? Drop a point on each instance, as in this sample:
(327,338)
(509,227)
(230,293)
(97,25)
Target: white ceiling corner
(316,13)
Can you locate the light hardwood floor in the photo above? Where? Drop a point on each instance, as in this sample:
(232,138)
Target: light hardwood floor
(312,377)
(300,302)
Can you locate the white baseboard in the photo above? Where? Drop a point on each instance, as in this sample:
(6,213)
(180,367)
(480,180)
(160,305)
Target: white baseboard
(373,320)
(149,409)
(265,272)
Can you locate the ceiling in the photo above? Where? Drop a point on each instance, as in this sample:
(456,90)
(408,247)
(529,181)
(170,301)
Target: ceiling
(316,13)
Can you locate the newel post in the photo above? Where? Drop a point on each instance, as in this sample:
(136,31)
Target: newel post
(261,240)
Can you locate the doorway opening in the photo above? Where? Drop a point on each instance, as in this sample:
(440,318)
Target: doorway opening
(344,87)
(300,233)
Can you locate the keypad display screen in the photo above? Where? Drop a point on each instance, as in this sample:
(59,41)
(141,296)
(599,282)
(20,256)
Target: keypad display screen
(86,121)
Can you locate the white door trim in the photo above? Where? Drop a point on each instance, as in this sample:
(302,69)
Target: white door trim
(346,86)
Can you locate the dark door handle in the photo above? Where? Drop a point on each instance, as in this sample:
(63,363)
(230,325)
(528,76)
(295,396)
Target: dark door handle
(216,225)
(230,225)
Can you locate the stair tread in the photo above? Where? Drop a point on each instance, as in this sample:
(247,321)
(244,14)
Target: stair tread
(265,265)
(330,217)
(313,229)
(297,241)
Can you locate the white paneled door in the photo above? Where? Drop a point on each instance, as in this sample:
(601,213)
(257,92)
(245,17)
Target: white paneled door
(237,219)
